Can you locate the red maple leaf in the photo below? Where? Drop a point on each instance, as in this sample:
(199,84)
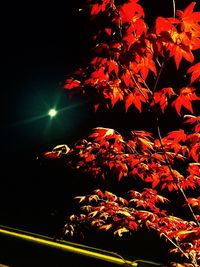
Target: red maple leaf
(184,99)
(195,152)
(195,70)
(126,78)
(133,31)
(98,7)
(181,47)
(136,98)
(194,202)
(165,25)
(71,83)
(189,19)
(113,91)
(187,235)
(193,120)
(179,44)
(162,97)
(143,64)
(101,133)
(131,11)
(176,136)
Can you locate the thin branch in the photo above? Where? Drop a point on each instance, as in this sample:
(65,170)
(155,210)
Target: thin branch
(189,206)
(174,244)
(158,76)
(175,180)
(134,80)
(174,8)
(146,85)
(188,257)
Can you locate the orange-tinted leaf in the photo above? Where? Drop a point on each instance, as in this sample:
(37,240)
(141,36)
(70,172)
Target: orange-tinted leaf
(143,64)
(99,7)
(51,155)
(126,78)
(136,98)
(113,66)
(195,70)
(194,202)
(189,19)
(162,97)
(129,101)
(163,25)
(106,227)
(121,231)
(192,119)
(181,51)
(140,27)
(187,235)
(131,11)
(184,99)
(195,152)
(114,92)
(80,198)
(101,133)
(177,136)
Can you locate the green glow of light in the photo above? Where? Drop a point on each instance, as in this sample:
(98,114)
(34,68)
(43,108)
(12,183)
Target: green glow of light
(52,112)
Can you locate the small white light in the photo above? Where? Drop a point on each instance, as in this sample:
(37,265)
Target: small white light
(52,112)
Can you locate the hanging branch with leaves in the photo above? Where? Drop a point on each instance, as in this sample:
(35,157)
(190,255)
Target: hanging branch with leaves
(126,67)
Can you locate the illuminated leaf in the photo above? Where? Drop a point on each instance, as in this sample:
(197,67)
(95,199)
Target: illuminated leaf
(136,98)
(189,19)
(105,227)
(162,97)
(80,198)
(71,83)
(194,202)
(131,11)
(192,119)
(177,136)
(195,152)
(121,231)
(184,99)
(180,50)
(195,70)
(163,25)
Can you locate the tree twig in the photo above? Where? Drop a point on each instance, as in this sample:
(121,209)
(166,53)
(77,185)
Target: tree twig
(172,174)
(174,8)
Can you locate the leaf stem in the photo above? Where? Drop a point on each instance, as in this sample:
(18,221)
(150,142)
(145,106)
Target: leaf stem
(174,244)
(158,76)
(134,80)
(172,174)
(189,206)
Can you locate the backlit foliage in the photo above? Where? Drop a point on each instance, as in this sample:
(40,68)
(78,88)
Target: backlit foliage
(126,67)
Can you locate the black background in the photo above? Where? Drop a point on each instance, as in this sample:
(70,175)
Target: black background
(40,44)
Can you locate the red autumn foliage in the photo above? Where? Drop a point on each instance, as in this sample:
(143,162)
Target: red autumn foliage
(127,67)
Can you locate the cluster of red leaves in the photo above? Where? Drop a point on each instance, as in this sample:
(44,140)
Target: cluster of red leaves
(105,211)
(107,153)
(120,66)
(126,66)
(154,162)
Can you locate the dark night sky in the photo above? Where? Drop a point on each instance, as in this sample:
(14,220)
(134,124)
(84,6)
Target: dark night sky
(41,43)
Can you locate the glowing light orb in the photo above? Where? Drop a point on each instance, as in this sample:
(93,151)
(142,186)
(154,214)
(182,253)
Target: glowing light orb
(52,112)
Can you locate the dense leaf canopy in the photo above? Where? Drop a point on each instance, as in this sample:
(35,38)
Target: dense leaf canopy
(128,66)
